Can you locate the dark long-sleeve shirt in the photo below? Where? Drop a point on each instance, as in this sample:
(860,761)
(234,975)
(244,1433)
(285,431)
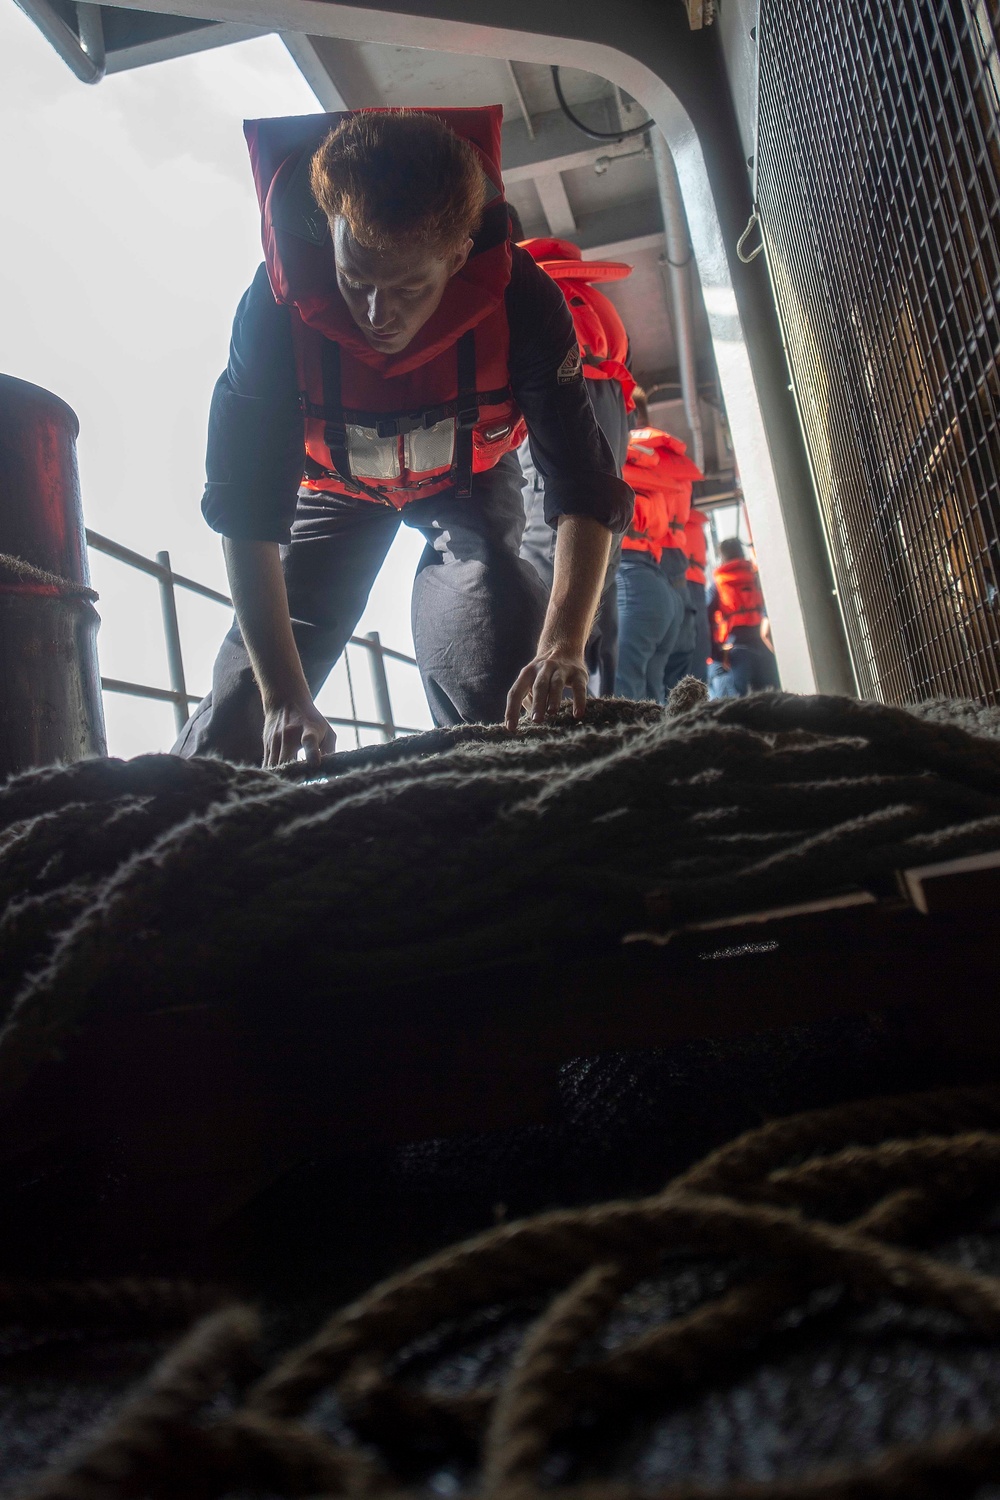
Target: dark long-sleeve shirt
(255,432)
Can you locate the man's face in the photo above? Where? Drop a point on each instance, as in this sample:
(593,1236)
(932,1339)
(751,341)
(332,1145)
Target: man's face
(392,293)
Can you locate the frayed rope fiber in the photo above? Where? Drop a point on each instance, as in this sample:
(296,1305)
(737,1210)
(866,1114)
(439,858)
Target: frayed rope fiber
(832,1203)
(130,883)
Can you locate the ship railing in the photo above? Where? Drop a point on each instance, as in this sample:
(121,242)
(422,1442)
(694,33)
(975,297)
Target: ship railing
(177,693)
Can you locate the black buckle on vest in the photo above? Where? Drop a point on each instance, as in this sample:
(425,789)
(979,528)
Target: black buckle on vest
(413,421)
(467,414)
(335,438)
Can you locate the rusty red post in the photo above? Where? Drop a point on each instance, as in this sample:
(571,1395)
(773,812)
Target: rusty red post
(50,685)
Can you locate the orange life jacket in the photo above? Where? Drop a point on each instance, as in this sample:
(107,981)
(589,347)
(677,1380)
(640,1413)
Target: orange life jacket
(696,546)
(600,331)
(389,427)
(740,600)
(661,475)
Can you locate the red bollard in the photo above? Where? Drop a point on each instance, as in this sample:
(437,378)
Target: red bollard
(50,683)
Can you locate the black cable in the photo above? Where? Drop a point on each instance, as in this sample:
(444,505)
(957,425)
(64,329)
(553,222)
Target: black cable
(595,135)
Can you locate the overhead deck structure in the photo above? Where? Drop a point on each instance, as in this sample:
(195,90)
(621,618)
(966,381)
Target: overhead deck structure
(608,195)
(870,154)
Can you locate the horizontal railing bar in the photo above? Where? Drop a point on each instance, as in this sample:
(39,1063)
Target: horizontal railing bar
(164,695)
(370,724)
(201,588)
(147,565)
(140,690)
(409,661)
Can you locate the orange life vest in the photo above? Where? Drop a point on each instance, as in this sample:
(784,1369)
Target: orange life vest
(389,427)
(696,546)
(600,331)
(661,475)
(740,600)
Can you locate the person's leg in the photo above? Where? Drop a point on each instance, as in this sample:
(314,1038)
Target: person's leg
(602,658)
(337,547)
(678,663)
(741,670)
(675,614)
(702,639)
(538,541)
(720,681)
(761,668)
(477,606)
(645,617)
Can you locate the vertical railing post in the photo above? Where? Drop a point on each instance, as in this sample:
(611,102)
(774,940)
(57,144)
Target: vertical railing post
(171,630)
(380,686)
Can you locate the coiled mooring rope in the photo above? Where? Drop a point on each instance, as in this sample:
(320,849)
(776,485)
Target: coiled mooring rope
(836,1200)
(126,883)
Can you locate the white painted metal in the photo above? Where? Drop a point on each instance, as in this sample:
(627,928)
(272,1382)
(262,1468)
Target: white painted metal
(676,264)
(552,192)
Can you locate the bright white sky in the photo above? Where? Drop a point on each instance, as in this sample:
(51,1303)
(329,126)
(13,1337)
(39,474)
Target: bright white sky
(128,232)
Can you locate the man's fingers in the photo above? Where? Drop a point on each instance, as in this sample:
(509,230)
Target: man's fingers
(556,691)
(517,695)
(579,688)
(310,745)
(540,692)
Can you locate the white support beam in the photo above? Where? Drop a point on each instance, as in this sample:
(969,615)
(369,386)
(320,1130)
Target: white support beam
(555,204)
(561,161)
(622,249)
(305,55)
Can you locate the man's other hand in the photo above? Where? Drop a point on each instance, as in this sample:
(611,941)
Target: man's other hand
(540,687)
(291,727)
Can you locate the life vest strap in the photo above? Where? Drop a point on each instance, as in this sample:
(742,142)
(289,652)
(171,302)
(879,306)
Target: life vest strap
(335,432)
(398,424)
(465,410)
(466,414)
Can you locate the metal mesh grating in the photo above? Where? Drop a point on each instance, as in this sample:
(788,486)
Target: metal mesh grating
(878,186)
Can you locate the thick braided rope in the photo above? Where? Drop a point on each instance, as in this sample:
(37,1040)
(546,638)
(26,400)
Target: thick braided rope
(875,1155)
(577,829)
(17,570)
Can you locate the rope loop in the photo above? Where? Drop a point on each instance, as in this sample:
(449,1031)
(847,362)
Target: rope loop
(933,1153)
(752,224)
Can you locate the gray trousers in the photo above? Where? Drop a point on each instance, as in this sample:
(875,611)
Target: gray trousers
(477,608)
(538,545)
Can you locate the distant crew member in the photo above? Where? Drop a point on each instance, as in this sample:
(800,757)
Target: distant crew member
(696,547)
(741,651)
(674,563)
(384,366)
(652,598)
(604,349)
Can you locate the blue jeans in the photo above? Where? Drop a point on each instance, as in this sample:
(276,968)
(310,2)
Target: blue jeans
(751,669)
(673,566)
(651,617)
(702,638)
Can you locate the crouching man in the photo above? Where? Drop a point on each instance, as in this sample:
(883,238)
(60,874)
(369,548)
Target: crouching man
(384,366)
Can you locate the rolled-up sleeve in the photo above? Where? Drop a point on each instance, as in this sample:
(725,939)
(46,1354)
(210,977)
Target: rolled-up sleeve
(255,436)
(568,447)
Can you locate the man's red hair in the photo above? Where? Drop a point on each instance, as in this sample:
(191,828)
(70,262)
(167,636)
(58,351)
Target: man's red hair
(399,176)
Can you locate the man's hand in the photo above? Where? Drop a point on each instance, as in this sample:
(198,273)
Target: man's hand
(542,684)
(579,566)
(289,727)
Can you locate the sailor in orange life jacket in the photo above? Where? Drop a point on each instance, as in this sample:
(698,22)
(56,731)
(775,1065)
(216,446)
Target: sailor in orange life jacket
(383,367)
(652,597)
(604,349)
(696,547)
(742,659)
